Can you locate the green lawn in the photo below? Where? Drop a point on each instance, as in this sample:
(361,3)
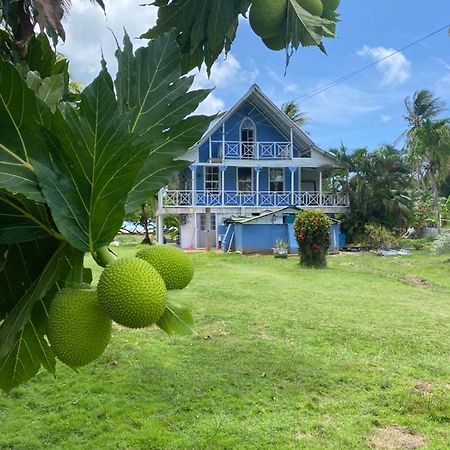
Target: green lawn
(284,358)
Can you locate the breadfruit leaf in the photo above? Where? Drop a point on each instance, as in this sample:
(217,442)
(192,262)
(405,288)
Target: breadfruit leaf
(22,220)
(205,28)
(160,168)
(30,351)
(150,88)
(50,90)
(94,164)
(304,28)
(23,265)
(20,134)
(3,253)
(176,320)
(35,284)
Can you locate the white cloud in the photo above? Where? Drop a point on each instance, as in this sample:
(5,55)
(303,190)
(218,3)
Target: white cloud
(89,33)
(395,70)
(211,105)
(225,72)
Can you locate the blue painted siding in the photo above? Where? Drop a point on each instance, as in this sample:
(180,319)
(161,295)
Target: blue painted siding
(230,179)
(254,238)
(259,237)
(265,131)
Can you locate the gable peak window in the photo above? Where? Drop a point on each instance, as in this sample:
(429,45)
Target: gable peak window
(248,138)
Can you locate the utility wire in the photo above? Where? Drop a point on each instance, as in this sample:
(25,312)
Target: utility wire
(327,86)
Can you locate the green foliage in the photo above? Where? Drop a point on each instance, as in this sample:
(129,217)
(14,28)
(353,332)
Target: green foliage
(29,279)
(132,292)
(78,327)
(312,232)
(441,245)
(206,28)
(379,188)
(176,320)
(22,17)
(69,170)
(279,243)
(428,140)
(173,264)
(378,236)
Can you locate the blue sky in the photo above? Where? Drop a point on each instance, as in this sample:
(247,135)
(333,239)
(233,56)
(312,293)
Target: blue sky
(366,110)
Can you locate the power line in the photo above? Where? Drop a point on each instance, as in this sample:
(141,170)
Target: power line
(327,86)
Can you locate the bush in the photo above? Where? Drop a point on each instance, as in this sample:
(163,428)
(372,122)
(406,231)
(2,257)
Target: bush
(312,232)
(378,236)
(441,245)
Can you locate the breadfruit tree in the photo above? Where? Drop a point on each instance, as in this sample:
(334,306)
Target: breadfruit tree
(72,165)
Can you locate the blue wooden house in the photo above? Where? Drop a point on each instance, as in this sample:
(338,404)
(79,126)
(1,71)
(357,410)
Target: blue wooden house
(253,160)
(259,234)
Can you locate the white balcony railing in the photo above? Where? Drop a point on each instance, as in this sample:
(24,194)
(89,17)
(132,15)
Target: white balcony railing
(264,199)
(251,150)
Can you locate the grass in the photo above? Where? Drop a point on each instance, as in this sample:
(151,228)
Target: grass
(283,358)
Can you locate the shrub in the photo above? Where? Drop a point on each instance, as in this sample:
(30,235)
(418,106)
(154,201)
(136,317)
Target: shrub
(441,245)
(378,236)
(312,232)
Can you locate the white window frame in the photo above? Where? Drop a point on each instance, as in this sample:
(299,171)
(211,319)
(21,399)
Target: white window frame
(284,178)
(244,126)
(202,222)
(237,179)
(205,181)
(253,127)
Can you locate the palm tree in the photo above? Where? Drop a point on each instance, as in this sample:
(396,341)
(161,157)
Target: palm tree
(423,106)
(377,188)
(430,144)
(425,142)
(293,111)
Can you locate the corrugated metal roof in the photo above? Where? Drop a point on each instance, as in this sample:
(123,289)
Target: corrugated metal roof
(247,219)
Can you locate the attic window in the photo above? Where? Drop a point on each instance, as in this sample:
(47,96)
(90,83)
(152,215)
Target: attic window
(248,130)
(248,138)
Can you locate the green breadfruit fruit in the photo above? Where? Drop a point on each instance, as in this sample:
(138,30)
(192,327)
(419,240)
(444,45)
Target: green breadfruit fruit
(314,7)
(330,4)
(275,43)
(173,264)
(132,292)
(78,327)
(267,17)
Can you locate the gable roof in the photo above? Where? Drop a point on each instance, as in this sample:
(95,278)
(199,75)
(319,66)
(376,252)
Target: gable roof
(278,118)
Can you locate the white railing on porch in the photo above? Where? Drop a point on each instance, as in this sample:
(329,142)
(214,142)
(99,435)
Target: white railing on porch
(264,199)
(253,150)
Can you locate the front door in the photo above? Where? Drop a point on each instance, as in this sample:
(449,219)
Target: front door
(201,231)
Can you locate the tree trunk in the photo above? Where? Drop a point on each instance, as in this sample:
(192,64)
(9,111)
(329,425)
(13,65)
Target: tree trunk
(144,221)
(436,205)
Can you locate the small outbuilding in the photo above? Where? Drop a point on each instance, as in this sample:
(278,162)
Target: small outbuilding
(259,234)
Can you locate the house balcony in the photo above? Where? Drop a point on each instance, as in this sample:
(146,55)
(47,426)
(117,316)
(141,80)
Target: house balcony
(250,150)
(319,200)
